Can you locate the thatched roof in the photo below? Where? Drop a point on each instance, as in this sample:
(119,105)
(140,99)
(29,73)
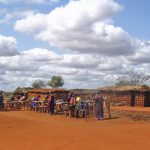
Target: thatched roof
(124,88)
(21,90)
(47,90)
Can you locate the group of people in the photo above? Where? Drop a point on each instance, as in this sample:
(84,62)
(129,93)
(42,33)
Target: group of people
(48,100)
(75,104)
(76,101)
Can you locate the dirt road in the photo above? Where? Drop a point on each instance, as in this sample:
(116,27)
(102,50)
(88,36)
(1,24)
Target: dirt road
(24,130)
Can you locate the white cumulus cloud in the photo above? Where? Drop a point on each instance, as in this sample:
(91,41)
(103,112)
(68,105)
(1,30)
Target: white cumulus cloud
(40,63)
(8,46)
(9,16)
(84,26)
(142,54)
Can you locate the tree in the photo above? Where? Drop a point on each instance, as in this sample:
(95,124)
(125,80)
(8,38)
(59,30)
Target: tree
(56,81)
(132,78)
(38,84)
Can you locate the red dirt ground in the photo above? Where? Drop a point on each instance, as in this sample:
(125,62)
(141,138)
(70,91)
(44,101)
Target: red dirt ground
(25,130)
(129,108)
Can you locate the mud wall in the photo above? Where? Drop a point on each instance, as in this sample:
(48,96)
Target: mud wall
(127,97)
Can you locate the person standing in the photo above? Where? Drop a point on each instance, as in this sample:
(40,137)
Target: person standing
(22,98)
(70,94)
(51,104)
(78,99)
(72,106)
(99,111)
(1,102)
(34,103)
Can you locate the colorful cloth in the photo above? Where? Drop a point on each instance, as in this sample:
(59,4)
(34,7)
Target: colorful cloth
(78,99)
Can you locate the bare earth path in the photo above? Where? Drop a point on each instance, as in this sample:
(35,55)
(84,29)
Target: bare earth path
(25,130)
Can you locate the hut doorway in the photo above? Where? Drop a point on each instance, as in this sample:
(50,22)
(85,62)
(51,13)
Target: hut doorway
(132,98)
(147,99)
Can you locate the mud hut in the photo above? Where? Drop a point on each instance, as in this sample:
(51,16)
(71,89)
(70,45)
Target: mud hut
(131,96)
(59,93)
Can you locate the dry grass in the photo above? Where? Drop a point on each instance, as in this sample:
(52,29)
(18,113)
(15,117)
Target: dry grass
(121,88)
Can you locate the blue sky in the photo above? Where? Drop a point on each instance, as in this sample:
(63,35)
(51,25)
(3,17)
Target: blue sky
(84,41)
(134,18)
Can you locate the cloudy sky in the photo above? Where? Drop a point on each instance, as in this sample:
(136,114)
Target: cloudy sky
(87,42)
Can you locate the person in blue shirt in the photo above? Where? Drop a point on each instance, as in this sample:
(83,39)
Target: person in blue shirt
(1,102)
(34,104)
